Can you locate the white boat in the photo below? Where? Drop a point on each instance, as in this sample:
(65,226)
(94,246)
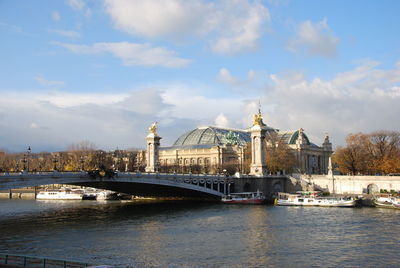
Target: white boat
(386,201)
(106,195)
(244,198)
(60,194)
(299,199)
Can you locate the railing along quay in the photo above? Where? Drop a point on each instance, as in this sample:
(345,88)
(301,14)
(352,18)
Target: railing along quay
(36,262)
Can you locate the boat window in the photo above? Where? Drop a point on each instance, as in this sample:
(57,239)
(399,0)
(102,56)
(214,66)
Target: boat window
(301,200)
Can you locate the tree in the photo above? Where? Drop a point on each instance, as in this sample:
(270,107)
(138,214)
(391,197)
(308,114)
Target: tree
(279,156)
(374,153)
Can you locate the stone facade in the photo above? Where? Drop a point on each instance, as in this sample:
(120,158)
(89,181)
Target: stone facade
(209,149)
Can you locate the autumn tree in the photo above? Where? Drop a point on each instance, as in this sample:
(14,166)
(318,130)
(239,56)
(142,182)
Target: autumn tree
(279,156)
(374,153)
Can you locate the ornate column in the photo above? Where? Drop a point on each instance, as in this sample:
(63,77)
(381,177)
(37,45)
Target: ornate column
(327,145)
(153,143)
(258,131)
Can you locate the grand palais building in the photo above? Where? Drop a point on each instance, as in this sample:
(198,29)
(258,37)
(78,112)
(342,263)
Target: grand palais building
(210,149)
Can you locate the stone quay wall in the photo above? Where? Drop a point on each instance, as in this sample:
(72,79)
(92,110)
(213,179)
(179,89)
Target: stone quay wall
(346,184)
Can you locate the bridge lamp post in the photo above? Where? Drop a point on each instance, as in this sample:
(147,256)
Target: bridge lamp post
(82,161)
(17,165)
(180,161)
(24,161)
(55,163)
(60,163)
(28,156)
(157,166)
(40,165)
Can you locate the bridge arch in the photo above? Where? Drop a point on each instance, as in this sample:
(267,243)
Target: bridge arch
(372,188)
(146,184)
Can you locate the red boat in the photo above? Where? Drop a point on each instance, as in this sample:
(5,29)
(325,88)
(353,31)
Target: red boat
(244,198)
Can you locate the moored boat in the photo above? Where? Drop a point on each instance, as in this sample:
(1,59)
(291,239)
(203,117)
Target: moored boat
(244,198)
(386,201)
(107,195)
(299,199)
(60,194)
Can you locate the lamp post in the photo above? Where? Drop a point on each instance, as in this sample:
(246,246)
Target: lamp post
(180,161)
(82,161)
(157,166)
(55,163)
(40,165)
(17,165)
(24,161)
(60,163)
(28,156)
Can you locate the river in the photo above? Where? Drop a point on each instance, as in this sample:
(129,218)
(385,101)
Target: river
(179,234)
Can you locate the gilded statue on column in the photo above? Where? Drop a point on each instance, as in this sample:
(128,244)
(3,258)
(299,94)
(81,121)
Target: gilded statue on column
(153,128)
(258,120)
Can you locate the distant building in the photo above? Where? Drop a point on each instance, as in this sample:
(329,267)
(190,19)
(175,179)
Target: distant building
(210,148)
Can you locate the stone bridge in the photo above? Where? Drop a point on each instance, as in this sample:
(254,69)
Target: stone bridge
(140,184)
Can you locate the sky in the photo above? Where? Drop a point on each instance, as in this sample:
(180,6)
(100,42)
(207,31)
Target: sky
(104,70)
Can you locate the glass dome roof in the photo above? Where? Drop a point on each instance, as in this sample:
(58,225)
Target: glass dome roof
(213,136)
(290,137)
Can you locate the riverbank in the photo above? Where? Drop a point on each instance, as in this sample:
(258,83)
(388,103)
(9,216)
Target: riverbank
(23,193)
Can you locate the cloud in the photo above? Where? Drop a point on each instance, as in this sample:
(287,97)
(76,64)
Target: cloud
(362,99)
(222,121)
(229,26)
(225,77)
(314,39)
(71,34)
(55,15)
(79,5)
(53,120)
(131,54)
(48,83)
(12,28)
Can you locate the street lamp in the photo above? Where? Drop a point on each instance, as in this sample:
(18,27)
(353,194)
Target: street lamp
(28,156)
(55,163)
(82,161)
(24,161)
(17,165)
(60,163)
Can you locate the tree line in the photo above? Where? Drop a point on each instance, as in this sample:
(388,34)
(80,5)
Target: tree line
(80,156)
(376,153)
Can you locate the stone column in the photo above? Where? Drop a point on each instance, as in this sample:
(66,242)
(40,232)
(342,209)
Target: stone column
(153,144)
(258,147)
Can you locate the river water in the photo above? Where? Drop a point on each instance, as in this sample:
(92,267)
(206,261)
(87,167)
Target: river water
(177,234)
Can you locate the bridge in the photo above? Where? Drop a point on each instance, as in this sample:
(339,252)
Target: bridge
(135,183)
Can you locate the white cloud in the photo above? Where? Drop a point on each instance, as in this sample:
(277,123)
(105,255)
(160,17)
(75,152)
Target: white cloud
(71,34)
(222,121)
(48,83)
(314,39)
(229,26)
(131,54)
(363,99)
(55,15)
(79,5)
(225,76)
(76,4)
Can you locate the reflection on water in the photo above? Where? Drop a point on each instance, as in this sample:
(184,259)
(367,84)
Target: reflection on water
(165,234)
